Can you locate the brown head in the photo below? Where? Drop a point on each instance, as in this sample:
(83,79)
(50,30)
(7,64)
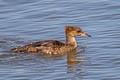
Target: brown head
(75,31)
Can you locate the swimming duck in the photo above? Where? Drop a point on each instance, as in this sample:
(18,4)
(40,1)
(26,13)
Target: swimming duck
(54,46)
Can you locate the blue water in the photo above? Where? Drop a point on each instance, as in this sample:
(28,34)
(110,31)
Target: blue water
(24,21)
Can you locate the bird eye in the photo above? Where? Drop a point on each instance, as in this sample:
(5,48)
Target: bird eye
(78,31)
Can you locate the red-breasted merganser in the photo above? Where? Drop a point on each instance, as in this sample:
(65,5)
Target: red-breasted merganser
(53,46)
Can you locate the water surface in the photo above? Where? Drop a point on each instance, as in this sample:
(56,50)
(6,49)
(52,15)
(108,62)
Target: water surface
(24,21)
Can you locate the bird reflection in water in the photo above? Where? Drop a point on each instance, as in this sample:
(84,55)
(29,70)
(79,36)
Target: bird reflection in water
(75,66)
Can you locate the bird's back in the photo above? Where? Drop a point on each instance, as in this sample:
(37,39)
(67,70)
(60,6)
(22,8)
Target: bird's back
(47,47)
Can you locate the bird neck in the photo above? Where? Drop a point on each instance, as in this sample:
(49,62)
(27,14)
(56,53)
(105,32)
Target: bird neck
(71,40)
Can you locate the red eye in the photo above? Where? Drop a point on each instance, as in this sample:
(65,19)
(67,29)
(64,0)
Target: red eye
(78,31)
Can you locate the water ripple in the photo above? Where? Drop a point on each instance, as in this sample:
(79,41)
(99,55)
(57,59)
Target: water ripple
(24,21)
